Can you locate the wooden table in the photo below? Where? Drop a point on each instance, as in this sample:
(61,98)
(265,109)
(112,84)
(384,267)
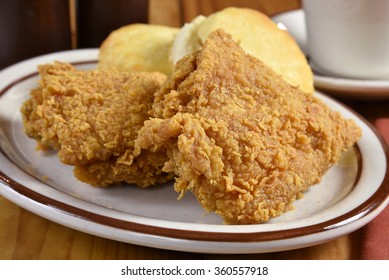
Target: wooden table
(24,235)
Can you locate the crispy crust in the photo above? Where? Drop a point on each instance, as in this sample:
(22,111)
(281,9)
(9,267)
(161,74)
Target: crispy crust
(92,118)
(245,142)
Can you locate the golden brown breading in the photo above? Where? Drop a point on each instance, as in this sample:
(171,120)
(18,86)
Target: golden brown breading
(144,170)
(93,117)
(245,142)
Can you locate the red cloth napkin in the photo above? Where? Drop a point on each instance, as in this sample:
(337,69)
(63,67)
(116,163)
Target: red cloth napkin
(375,236)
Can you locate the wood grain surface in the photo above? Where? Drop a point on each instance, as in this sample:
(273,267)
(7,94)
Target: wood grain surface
(24,235)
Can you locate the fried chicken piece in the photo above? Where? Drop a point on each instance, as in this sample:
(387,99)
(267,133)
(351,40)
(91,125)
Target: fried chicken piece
(245,142)
(92,117)
(144,170)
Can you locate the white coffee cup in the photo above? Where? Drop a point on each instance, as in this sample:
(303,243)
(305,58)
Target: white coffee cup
(349,38)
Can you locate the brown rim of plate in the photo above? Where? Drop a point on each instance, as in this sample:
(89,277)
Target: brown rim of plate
(368,206)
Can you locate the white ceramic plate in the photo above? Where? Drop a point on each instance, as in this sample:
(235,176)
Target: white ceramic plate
(294,21)
(349,196)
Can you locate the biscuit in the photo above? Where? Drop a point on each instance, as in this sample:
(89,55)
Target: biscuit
(258,35)
(137,48)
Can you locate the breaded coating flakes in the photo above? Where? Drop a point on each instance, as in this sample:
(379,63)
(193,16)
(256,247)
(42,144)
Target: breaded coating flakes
(245,142)
(92,118)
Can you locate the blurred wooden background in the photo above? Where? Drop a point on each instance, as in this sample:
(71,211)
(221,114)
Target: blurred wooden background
(170,12)
(188,9)
(31,28)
